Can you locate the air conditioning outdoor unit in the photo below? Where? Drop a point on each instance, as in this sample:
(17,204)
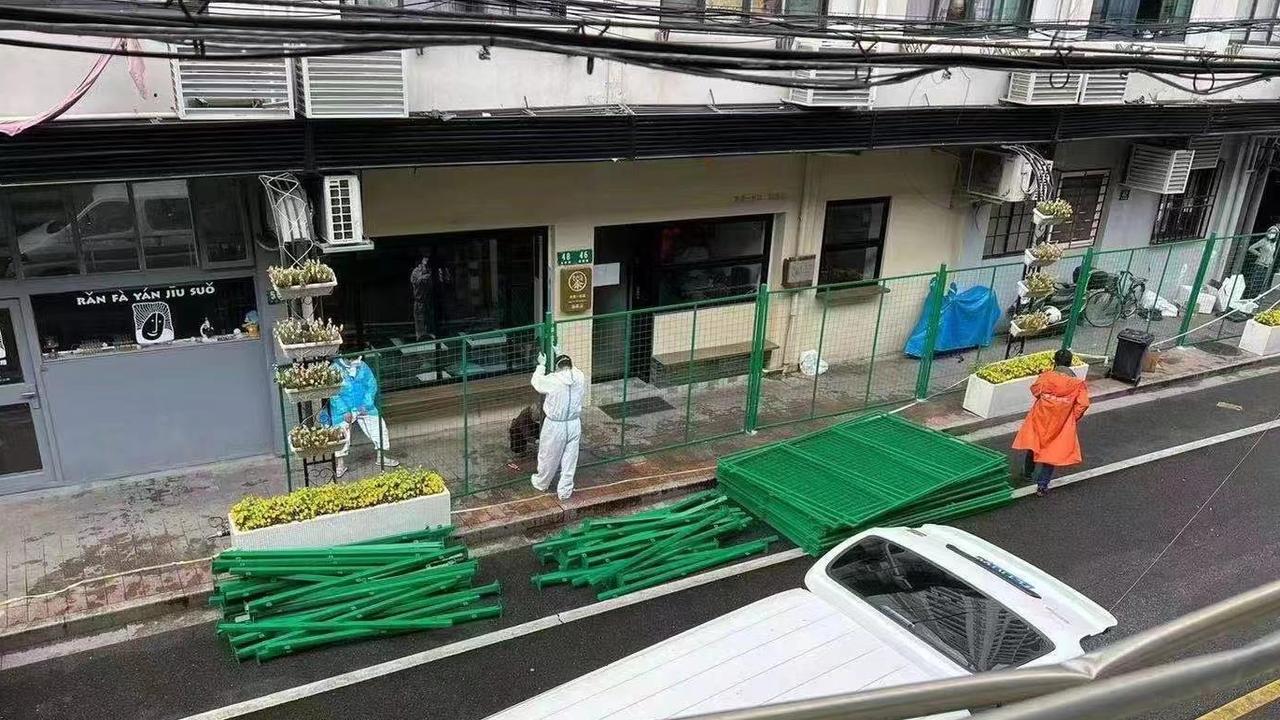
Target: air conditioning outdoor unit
(1044,88)
(354,86)
(343,215)
(1159,169)
(233,89)
(862,97)
(1207,151)
(997,177)
(1104,88)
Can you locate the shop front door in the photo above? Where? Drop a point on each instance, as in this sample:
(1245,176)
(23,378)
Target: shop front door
(24,451)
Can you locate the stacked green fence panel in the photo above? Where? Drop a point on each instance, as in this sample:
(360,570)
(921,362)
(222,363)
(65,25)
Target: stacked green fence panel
(875,470)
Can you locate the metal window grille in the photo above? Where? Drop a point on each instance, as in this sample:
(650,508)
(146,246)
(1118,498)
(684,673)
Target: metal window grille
(1010,229)
(1086,190)
(1263,10)
(1187,215)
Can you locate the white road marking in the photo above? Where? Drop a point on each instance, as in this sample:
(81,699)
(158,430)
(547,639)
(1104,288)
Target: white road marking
(427,656)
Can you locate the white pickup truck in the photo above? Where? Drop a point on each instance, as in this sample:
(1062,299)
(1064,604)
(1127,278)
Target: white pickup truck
(888,606)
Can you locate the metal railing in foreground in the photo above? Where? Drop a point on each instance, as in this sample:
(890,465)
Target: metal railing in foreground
(1108,684)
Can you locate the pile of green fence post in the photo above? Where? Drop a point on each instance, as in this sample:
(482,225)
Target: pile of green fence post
(619,555)
(875,470)
(277,602)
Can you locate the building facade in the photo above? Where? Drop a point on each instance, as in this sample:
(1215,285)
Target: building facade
(134,232)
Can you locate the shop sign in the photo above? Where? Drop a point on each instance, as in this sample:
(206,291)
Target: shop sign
(575,290)
(584,256)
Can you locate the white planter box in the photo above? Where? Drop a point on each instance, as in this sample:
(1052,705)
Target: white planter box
(309,351)
(1040,219)
(311,394)
(351,526)
(1260,339)
(987,400)
(301,291)
(1032,261)
(321,453)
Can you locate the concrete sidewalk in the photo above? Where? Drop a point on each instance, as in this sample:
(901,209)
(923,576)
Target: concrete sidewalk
(81,559)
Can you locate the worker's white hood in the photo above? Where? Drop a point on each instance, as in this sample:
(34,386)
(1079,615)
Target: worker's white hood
(786,647)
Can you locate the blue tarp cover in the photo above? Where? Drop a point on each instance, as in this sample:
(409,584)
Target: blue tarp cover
(968,320)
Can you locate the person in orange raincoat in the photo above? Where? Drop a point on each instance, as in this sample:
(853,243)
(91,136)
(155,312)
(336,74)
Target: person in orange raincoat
(1048,435)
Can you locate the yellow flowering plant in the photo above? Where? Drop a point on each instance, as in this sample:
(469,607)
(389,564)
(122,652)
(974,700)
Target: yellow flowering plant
(1020,367)
(1270,318)
(254,512)
(311,272)
(307,376)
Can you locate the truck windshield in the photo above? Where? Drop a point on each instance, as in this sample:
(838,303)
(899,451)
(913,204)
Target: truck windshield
(970,628)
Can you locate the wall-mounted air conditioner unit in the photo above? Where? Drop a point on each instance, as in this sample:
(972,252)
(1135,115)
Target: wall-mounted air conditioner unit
(1044,88)
(1067,88)
(860,97)
(1207,152)
(1104,88)
(1159,169)
(353,86)
(233,89)
(343,214)
(997,177)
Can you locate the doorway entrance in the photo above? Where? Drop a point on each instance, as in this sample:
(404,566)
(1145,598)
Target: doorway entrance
(667,263)
(24,454)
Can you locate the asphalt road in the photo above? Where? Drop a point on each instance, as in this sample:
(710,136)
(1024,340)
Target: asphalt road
(1098,536)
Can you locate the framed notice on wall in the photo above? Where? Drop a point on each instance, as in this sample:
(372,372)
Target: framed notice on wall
(798,271)
(575,289)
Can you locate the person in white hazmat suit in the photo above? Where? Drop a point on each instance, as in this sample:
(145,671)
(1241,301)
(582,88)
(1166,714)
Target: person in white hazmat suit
(561,424)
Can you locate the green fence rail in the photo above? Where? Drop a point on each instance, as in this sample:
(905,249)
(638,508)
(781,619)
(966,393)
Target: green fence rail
(677,375)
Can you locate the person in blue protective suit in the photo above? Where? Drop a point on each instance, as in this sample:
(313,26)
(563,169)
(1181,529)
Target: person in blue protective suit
(356,405)
(561,425)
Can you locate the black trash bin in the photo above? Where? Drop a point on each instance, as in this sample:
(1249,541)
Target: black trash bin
(1131,348)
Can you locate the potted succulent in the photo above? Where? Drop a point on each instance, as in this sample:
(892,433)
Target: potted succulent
(1262,333)
(1004,387)
(312,442)
(1042,254)
(310,279)
(1038,284)
(388,503)
(309,381)
(1029,323)
(1051,212)
(308,339)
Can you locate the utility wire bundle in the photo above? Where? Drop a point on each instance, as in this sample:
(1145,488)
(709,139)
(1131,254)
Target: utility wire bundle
(616,556)
(878,470)
(277,602)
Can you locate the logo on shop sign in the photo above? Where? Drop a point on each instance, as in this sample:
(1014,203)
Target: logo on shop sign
(575,289)
(152,323)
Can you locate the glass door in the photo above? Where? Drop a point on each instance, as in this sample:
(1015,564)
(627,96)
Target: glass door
(23,451)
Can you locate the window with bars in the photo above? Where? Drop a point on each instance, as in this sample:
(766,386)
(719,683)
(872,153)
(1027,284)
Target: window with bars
(1187,215)
(1010,229)
(1263,34)
(1086,190)
(970,10)
(694,10)
(1132,15)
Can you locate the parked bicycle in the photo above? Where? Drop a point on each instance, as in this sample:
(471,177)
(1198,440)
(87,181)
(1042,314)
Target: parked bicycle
(1116,296)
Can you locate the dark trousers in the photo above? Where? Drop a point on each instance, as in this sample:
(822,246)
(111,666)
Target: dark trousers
(1039,473)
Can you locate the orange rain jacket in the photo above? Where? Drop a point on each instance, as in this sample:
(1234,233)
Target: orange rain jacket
(1049,431)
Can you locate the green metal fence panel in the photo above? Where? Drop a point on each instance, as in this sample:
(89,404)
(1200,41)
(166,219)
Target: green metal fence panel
(1191,307)
(1239,262)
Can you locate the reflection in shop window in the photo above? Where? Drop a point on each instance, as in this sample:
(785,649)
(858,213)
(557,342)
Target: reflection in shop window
(45,237)
(104,221)
(164,218)
(219,220)
(116,319)
(853,240)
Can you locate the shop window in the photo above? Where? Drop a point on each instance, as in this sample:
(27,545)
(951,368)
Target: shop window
(1186,216)
(220,221)
(1086,190)
(853,240)
(1132,15)
(164,218)
(77,324)
(45,237)
(1009,229)
(708,259)
(121,227)
(104,221)
(425,287)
